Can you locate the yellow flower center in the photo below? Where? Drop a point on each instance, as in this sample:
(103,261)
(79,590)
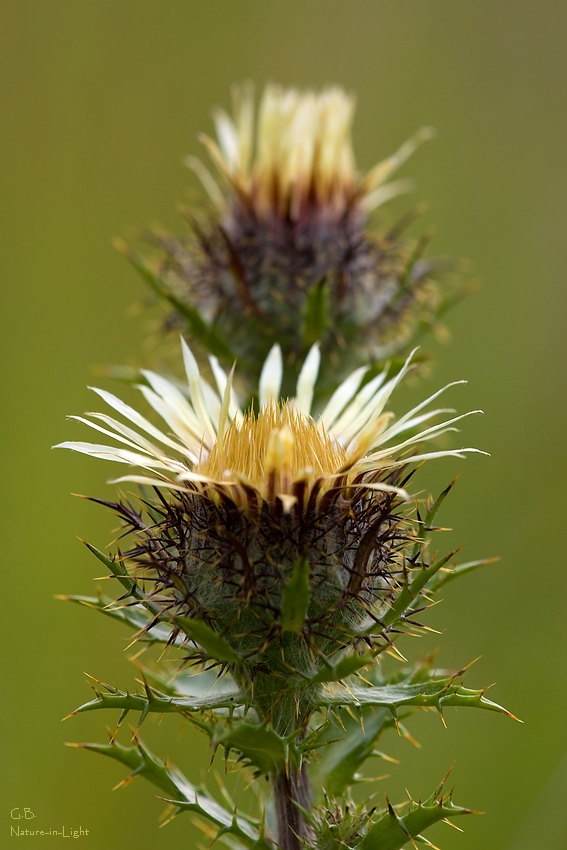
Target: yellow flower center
(273,449)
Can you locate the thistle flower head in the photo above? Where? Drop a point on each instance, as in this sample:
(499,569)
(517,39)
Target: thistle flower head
(256,493)
(286,249)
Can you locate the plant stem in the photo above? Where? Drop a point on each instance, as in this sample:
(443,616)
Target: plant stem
(293,832)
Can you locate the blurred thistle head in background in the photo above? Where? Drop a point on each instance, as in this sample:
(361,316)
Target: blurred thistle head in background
(291,247)
(295,161)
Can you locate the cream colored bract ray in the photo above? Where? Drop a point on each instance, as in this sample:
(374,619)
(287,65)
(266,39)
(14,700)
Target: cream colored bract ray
(295,154)
(210,441)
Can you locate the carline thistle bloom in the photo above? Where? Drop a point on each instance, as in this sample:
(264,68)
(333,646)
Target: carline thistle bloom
(256,493)
(287,249)
(273,549)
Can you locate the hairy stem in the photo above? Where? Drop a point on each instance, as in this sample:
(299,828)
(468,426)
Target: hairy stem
(293,831)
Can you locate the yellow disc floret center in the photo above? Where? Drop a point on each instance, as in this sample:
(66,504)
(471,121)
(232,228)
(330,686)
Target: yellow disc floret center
(273,449)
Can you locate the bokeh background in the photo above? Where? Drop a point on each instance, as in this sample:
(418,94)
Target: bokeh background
(100,102)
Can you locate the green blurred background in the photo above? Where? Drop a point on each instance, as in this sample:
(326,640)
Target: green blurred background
(100,102)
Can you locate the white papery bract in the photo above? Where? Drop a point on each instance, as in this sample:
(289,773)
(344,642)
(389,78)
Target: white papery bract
(297,153)
(209,439)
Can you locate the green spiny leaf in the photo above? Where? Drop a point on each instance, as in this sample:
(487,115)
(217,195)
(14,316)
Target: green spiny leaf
(260,745)
(350,737)
(115,566)
(459,570)
(213,644)
(316,313)
(183,683)
(143,763)
(431,513)
(155,702)
(348,745)
(392,832)
(134,616)
(118,569)
(342,669)
(412,589)
(196,630)
(437,692)
(296,597)
(209,337)
(180,792)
